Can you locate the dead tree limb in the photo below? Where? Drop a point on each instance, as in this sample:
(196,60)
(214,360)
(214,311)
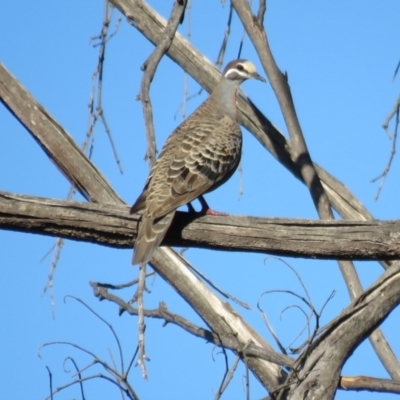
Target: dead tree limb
(111,225)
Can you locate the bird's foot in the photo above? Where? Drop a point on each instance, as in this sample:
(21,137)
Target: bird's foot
(206,210)
(213,212)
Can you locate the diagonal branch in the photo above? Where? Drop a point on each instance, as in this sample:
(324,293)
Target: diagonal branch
(302,158)
(343,335)
(55,141)
(163,313)
(257,123)
(60,147)
(279,83)
(151,25)
(218,315)
(191,60)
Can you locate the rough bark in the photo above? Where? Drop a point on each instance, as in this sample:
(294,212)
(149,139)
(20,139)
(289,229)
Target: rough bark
(108,224)
(111,225)
(55,141)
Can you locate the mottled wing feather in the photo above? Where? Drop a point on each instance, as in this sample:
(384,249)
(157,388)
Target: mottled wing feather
(140,203)
(203,162)
(200,155)
(150,235)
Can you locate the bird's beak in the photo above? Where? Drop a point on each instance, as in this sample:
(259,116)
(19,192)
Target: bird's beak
(257,76)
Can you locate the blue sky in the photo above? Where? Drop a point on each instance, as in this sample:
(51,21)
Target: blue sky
(340,58)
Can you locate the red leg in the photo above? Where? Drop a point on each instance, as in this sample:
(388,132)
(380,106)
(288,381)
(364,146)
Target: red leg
(205,209)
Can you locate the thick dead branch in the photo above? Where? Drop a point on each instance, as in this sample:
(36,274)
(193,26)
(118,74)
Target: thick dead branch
(191,60)
(218,315)
(302,159)
(370,384)
(279,83)
(342,336)
(111,225)
(78,169)
(55,141)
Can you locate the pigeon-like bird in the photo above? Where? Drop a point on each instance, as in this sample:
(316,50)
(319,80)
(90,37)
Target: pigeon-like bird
(200,155)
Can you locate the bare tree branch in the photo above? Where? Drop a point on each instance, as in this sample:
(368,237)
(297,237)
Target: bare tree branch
(55,141)
(368,383)
(393,137)
(111,225)
(96,111)
(300,154)
(217,315)
(170,318)
(152,25)
(342,335)
(150,66)
(96,188)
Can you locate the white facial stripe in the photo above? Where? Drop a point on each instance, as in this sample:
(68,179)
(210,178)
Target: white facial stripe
(233,72)
(248,69)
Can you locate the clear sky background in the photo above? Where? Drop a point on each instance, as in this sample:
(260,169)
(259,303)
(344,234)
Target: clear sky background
(340,57)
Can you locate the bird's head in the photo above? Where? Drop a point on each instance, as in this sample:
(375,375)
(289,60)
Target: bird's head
(240,70)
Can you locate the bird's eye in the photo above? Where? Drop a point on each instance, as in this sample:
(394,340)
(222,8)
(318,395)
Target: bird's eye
(240,67)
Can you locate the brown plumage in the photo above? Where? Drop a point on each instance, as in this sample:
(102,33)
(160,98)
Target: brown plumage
(201,154)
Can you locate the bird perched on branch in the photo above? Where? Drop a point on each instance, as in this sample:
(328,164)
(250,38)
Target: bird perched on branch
(200,155)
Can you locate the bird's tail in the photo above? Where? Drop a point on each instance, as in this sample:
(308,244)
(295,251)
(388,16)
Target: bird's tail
(150,234)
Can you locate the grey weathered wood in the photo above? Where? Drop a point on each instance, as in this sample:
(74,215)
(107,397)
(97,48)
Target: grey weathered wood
(343,334)
(111,225)
(79,170)
(348,206)
(55,141)
(151,25)
(345,203)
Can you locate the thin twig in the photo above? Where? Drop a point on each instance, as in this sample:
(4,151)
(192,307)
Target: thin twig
(220,291)
(119,379)
(163,313)
(78,372)
(185,74)
(385,126)
(97,85)
(150,66)
(96,111)
(50,382)
(229,373)
(247,383)
(222,387)
(220,58)
(122,285)
(396,70)
(110,327)
(128,391)
(141,325)
(261,12)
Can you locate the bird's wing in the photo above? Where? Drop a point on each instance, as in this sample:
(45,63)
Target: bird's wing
(140,203)
(203,160)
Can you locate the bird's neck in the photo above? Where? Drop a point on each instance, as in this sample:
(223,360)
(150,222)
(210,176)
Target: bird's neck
(224,95)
